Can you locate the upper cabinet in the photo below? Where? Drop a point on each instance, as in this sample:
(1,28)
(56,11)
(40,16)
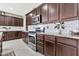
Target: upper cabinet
(33,13)
(44,13)
(17,21)
(38,10)
(6,20)
(78,9)
(68,10)
(54,12)
(29,19)
(53,9)
(2,21)
(9,21)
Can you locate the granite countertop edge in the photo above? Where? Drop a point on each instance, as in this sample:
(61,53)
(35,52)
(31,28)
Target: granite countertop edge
(62,35)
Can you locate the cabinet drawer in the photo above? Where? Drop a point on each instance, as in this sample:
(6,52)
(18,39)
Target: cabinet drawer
(40,49)
(40,43)
(66,41)
(39,35)
(49,38)
(40,38)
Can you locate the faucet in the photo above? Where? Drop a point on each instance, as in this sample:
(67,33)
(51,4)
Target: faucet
(6,28)
(60,26)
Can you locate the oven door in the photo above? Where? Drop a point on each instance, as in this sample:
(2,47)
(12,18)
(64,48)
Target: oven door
(32,40)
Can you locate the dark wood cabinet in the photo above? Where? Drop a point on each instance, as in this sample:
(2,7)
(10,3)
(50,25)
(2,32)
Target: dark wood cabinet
(49,45)
(11,35)
(9,21)
(65,50)
(28,19)
(20,22)
(38,10)
(2,20)
(40,43)
(53,12)
(68,10)
(34,12)
(66,46)
(49,49)
(57,45)
(78,9)
(44,13)
(8,36)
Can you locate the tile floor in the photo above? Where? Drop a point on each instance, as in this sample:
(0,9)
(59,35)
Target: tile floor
(20,48)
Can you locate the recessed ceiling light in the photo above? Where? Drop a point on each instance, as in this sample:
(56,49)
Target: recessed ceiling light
(11,8)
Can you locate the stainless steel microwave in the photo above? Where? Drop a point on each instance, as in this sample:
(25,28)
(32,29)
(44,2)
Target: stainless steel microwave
(36,19)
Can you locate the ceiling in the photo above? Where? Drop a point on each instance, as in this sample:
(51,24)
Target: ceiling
(18,8)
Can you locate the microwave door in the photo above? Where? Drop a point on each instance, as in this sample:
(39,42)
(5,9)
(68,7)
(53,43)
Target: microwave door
(35,20)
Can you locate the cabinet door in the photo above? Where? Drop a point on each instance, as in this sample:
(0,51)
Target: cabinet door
(53,12)
(10,36)
(40,49)
(65,50)
(8,20)
(40,43)
(49,45)
(20,34)
(78,9)
(68,10)
(28,19)
(20,20)
(15,21)
(34,12)
(44,13)
(49,48)
(40,38)
(2,20)
(39,10)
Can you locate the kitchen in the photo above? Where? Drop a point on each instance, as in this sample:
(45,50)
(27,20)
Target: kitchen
(49,29)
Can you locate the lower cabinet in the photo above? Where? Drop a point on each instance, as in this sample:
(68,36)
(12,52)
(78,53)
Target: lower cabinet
(40,43)
(49,48)
(49,45)
(13,35)
(58,46)
(65,50)
(40,49)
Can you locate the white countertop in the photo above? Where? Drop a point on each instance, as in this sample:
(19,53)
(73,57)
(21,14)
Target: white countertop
(61,35)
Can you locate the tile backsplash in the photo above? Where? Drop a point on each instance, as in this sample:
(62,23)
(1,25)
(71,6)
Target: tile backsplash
(69,26)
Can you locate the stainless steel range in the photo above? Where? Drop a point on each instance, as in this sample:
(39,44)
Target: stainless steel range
(32,37)
(32,40)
